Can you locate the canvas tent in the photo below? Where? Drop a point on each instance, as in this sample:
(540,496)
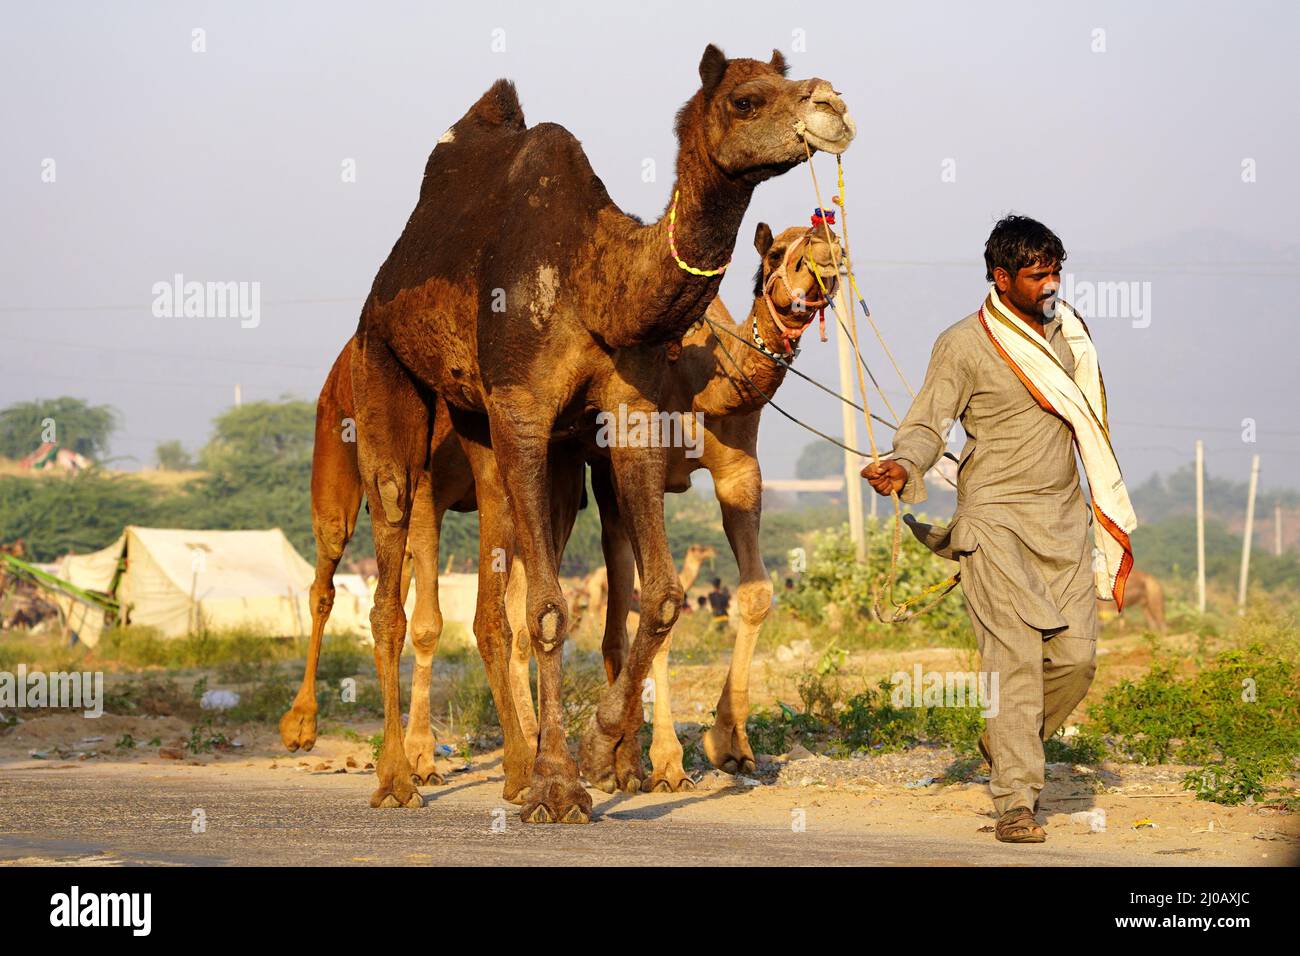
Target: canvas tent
(180,581)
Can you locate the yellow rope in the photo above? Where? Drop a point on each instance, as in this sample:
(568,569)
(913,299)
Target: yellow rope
(853,284)
(672,245)
(901,612)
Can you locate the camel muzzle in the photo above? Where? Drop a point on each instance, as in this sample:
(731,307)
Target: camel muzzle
(827,124)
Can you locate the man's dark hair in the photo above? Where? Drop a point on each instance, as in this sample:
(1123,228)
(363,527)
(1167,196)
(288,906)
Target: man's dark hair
(1018,241)
(717,582)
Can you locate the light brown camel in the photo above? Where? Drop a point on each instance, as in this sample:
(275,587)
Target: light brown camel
(524,297)
(1144,591)
(590,598)
(336,494)
(336,499)
(720,377)
(696,555)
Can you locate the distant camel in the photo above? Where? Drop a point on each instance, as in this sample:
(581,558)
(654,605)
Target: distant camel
(591,597)
(1142,591)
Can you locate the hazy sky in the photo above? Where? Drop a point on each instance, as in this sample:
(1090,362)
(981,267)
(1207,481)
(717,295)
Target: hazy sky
(1133,129)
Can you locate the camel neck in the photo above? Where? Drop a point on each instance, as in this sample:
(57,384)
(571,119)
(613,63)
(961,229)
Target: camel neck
(763,371)
(652,299)
(710,207)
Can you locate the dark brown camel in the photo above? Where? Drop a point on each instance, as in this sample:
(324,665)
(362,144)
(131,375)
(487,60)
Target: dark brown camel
(705,380)
(524,297)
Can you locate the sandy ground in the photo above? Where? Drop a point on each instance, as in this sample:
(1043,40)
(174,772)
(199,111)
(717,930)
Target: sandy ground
(66,796)
(262,806)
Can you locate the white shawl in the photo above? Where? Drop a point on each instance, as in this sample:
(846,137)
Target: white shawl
(1080,401)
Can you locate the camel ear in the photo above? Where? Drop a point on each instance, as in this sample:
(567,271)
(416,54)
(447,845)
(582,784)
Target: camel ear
(778,63)
(763,239)
(712,65)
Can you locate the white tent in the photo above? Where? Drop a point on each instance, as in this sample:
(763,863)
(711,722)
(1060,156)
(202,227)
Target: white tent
(181,581)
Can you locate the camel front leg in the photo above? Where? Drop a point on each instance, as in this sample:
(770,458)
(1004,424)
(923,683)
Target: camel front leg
(667,774)
(393,448)
(520,436)
(426,628)
(740,494)
(666,771)
(611,749)
(521,651)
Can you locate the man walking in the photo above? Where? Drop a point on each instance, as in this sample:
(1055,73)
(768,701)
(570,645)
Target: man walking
(1021,374)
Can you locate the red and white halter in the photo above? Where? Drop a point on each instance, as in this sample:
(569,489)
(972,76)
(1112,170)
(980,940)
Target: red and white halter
(790,335)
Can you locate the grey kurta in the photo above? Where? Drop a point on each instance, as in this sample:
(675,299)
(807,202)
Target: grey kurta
(1022,535)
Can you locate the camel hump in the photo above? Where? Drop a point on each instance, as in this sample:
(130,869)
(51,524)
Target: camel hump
(499,106)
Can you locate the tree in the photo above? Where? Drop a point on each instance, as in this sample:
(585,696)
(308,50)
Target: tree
(172,456)
(258,466)
(81,513)
(819,459)
(67,422)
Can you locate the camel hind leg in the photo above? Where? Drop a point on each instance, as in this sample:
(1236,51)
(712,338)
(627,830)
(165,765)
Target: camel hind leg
(620,571)
(393,419)
(426,628)
(335,502)
(568,477)
(521,651)
(611,749)
(666,770)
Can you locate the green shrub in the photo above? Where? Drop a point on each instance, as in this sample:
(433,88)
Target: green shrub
(835,575)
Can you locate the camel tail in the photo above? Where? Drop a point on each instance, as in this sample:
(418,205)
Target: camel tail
(499,106)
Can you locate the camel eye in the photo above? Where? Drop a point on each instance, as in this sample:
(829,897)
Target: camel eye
(744,105)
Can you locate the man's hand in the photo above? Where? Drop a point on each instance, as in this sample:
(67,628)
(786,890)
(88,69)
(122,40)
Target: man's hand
(886,477)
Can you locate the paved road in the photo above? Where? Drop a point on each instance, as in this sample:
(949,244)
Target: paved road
(132,814)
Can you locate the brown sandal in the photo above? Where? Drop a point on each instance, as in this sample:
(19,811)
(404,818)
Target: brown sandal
(1018,825)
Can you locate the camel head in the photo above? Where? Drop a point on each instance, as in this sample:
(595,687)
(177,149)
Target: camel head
(699,553)
(785,278)
(752,121)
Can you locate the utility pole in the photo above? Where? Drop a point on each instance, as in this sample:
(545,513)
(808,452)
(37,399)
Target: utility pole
(852,477)
(1245,543)
(1200,525)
